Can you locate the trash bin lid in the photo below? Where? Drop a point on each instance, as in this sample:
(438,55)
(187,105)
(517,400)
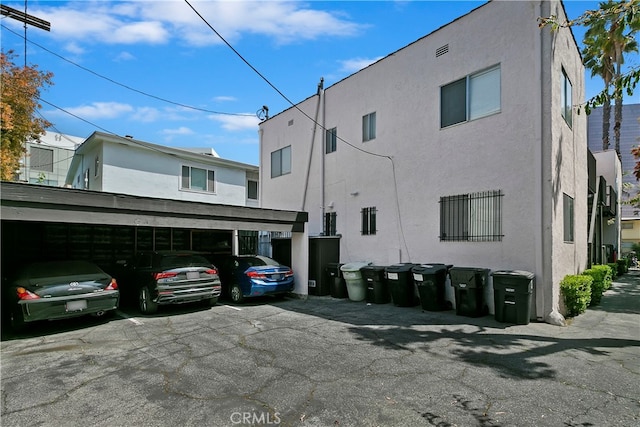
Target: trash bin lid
(514,273)
(428,268)
(373,268)
(401,267)
(354,266)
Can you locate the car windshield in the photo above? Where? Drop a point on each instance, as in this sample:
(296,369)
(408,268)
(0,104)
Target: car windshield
(183,260)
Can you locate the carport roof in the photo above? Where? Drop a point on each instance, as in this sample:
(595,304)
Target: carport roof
(29,202)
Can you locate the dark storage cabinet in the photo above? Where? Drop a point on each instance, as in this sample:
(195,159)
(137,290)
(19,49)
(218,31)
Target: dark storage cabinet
(338,287)
(512,293)
(468,284)
(431,280)
(376,281)
(403,290)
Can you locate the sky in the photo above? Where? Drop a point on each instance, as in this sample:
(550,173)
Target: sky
(191,73)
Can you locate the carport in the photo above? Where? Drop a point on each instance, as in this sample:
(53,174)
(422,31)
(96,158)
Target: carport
(41,222)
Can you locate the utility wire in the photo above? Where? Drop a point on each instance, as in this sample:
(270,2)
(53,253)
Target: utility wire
(126,86)
(275,88)
(393,168)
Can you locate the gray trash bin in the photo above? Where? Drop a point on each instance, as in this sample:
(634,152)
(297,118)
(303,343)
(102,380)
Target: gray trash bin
(356,286)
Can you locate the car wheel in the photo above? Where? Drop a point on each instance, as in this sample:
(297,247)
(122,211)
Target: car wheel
(147,305)
(236,294)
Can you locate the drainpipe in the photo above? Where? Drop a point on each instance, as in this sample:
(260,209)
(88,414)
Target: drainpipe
(313,138)
(323,152)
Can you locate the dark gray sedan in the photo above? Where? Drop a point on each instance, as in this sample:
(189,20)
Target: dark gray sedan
(169,277)
(58,290)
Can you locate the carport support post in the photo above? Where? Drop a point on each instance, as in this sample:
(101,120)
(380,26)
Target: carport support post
(300,261)
(235,242)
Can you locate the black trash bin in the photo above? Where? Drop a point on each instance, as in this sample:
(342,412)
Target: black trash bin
(337,285)
(512,293)
(377,287)
(403,289)
(468,284)
(431,280)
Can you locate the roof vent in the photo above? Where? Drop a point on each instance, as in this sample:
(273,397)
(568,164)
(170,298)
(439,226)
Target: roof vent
(442,50)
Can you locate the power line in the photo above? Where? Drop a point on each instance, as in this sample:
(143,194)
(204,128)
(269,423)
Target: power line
(126,86)
(393,168)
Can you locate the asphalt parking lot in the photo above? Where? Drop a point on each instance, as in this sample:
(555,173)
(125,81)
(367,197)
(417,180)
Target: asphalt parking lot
(327,362)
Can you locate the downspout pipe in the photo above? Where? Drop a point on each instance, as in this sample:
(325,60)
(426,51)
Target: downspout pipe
(313,138)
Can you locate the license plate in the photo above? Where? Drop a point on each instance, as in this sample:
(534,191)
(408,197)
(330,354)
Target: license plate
(193,275)
(77,305)
(392,276)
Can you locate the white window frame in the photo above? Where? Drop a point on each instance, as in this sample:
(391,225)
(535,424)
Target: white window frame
(187,180)
(482,97)
(281,162)
(249,181)
(331,142)
(369,127)
(568,215)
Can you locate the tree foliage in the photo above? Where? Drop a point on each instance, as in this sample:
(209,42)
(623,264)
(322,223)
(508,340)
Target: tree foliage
(21,88)
(611,33)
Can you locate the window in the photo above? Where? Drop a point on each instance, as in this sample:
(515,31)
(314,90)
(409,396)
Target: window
(252,189)
(86,179)
(368,221)
(627,225)
(197,179)
(331,140)
(567,204)
(369,127)
(41,159)
(472,97)
(566,101)
(475,217)
(330,224)
(281,162)
(96,166)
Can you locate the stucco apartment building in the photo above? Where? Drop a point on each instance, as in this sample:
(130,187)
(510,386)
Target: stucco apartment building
(629,186)
(460,148)
(47,159)
(115,164)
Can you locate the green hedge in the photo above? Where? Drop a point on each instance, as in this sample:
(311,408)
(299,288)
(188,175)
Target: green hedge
(623,266)
(576,291)
(602,277)
(614,269)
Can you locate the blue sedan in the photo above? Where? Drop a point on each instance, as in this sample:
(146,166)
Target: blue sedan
(245,276)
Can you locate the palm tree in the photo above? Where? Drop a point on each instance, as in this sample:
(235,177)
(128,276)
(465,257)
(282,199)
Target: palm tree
(606,42)
(598,60)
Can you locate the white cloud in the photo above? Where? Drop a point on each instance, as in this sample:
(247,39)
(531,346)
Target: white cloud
(234,123)
(179,131)
(357,64)
(225,98)
(124,56)
(156,22)
(100,110)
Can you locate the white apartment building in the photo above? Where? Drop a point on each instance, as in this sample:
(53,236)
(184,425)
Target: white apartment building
(110,163)
(461,148)
(47,159)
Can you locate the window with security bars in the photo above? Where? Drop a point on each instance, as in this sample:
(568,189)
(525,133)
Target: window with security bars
(41,159)
(474,217)
(368,221)
(330,224)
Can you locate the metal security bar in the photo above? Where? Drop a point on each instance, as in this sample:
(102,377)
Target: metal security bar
(368,221)
(330,224)
(474,217)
